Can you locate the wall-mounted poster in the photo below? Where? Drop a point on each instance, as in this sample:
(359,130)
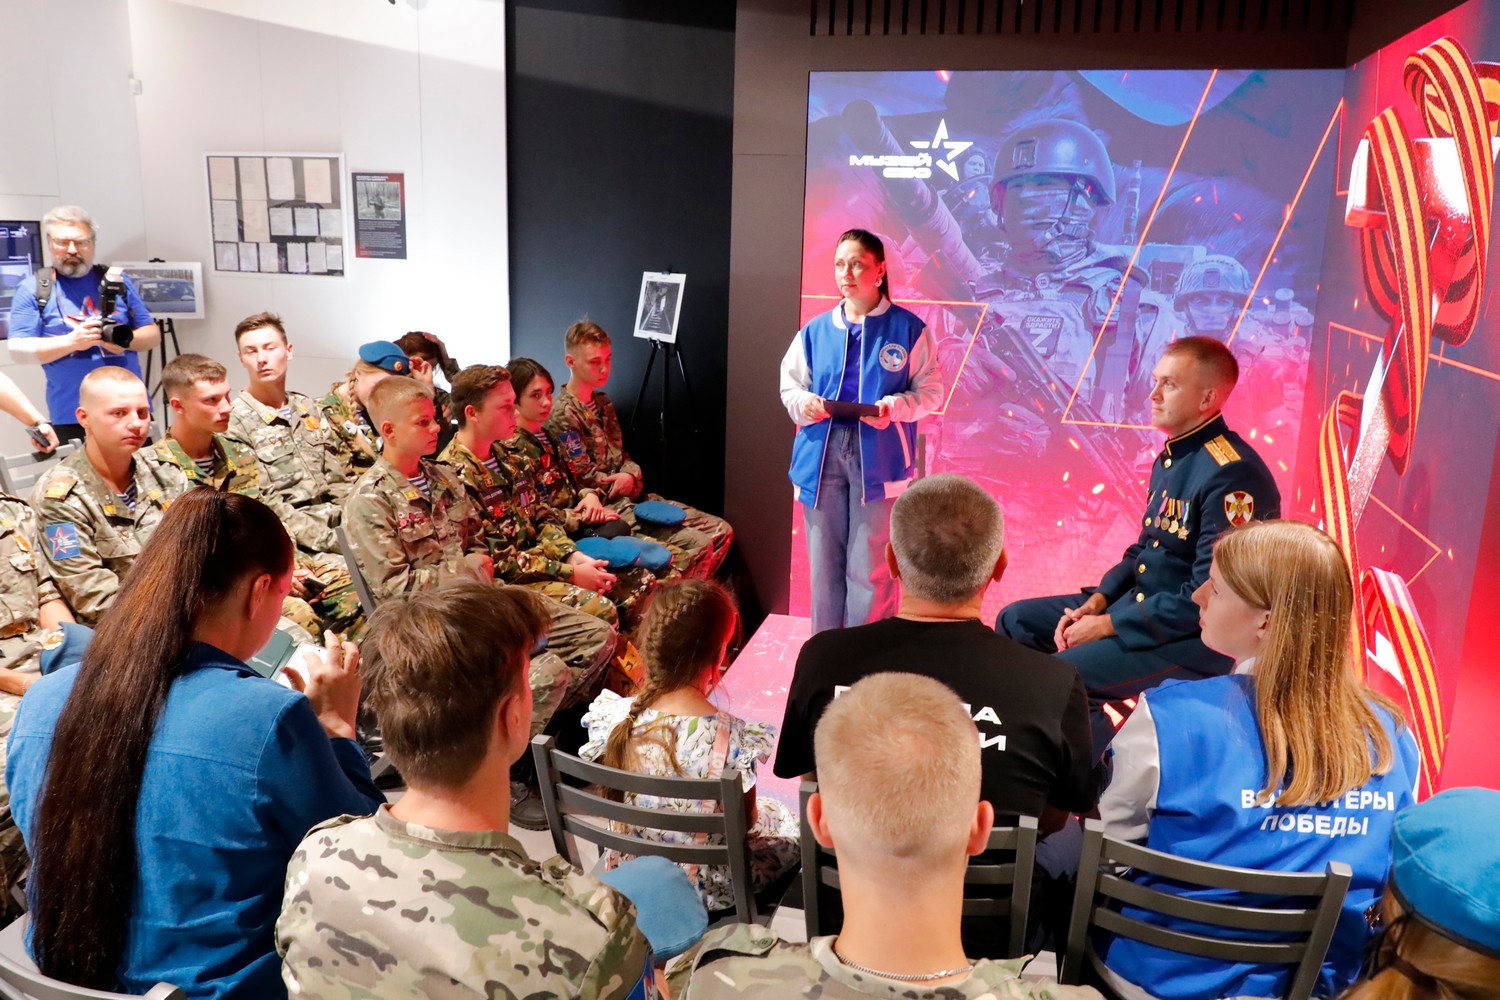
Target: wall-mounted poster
(380,215)
(277,213)
(660,306)
(169,288)
(20,255)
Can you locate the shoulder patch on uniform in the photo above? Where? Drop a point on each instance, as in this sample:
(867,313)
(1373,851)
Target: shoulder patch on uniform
(1222,451)
(1239,507)
(62,540)
(61,487)
(572,443)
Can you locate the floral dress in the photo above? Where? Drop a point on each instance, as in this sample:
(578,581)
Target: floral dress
(774,845)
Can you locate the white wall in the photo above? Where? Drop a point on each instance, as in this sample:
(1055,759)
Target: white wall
(393,88)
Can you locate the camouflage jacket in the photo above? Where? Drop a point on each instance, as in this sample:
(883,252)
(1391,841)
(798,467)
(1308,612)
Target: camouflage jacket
(359,445)
(235,469)
(403,541)
(525,550)
(379,909)
(90,537)
(747,960)
(590,437)
(25,585)
(299,463)
(536,457)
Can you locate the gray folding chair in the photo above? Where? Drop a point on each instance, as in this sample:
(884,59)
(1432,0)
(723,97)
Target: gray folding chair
(361,588)
(20,980)
(574,812)
(1011,879)
(1304,930)
(19,473)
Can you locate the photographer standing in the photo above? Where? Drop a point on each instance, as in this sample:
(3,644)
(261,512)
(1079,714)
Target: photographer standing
(66,328)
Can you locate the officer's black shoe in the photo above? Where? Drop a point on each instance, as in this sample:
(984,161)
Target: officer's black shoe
(526,809)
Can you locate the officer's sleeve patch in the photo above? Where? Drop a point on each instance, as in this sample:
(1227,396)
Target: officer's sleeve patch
(61,488)
(1239,507)
(572,443)
(62,540)
(1222,451)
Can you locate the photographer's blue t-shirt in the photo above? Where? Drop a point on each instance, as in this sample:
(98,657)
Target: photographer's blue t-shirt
(68,300)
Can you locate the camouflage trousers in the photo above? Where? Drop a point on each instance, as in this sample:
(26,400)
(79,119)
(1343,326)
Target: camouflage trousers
(621,608)
(335,609)
(702,539)
(570,671)
(22,654)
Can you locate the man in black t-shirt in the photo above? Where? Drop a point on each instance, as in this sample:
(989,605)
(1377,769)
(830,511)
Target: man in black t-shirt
(947,544)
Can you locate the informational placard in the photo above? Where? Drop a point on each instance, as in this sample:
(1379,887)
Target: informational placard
(277,213)
(660,306)
(380,215)
(20,255)
(169,288)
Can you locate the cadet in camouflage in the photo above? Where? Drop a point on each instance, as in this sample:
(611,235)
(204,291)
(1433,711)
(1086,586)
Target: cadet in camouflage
(358,444)
(390,906)
(30,612)
(92,530)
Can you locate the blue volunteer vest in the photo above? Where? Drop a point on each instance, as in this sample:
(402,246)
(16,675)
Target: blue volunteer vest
(1212,767)
(888,455)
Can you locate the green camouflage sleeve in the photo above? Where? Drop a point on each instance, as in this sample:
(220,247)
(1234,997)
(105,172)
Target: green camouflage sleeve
(569,418)
(28,528)
(81,578)
(370,526)
(619,459)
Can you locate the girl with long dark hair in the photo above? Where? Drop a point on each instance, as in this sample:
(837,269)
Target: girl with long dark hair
(162,785)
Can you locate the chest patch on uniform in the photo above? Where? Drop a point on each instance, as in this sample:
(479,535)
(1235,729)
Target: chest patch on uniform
(1239,507)
(62,540)
(61,488)
(1222,451)
(311,423)
(572,443)
(893,357)
(1041,325)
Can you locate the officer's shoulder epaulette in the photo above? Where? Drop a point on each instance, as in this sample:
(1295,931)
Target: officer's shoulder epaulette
(61,486)
(1222,451)
(739,939)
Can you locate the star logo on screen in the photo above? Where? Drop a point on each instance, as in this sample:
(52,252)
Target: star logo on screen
(942,144)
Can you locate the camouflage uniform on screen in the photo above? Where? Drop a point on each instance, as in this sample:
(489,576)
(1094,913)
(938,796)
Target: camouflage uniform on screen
(594,445)
(358,443)
(750,961)
(404,542)
(236,470)
(529,545)
(299,463)
(90,536)
(25,585)
(538,457)
(379,909)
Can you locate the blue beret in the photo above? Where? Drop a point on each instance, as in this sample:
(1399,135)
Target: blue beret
(652,555)
(659,512)
(615,556)
(668,909)
(385,355)
(1445,865)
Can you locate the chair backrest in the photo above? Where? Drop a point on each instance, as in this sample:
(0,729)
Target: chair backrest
(19,473)
(1303,931)
(361,588)
(1010,880)
(583,812)
(21,980)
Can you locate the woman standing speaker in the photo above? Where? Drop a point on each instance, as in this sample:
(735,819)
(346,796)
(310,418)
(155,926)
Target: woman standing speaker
(856,381)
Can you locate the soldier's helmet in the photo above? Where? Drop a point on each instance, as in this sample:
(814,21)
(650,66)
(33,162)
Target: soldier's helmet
(1056,146)
(1214,273)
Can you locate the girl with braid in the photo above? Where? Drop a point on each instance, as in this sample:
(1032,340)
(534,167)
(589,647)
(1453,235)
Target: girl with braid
(671,729)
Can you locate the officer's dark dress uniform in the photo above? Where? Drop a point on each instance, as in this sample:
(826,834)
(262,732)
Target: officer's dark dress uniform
(1204,481)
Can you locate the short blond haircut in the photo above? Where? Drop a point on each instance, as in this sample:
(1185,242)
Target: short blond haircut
(585,331)
(100,377)
(392,396)
(898,771)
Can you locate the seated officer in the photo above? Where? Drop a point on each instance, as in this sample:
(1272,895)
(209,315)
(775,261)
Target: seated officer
(431,896)
(526,537)
(1139,627)
(411,526)
(30,614)
(898,798)
(588,429)
(196,452)
(99,505)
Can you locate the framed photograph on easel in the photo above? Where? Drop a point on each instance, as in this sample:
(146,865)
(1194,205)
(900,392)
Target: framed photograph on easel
(660,306)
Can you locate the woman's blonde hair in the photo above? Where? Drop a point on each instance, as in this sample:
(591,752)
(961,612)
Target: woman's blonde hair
(1457,972)
(684,629)
(1318,723)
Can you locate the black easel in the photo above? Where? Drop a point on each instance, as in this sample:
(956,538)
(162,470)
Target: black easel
(169,349)
(671,351)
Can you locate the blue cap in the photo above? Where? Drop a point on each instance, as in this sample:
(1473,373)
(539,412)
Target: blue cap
(1445,865)
(660,513)
(614,556)
(668,909)
(652,555)
(386,356)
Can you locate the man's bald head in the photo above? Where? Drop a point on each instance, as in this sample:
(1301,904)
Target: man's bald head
(108,380)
